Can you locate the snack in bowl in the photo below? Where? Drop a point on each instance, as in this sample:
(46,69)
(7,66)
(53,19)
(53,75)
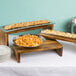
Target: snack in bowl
(28,41)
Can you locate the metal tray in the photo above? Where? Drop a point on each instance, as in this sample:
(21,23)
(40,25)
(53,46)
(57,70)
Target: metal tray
(41,37)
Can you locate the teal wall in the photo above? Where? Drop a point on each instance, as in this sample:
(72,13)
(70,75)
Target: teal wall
(58,11)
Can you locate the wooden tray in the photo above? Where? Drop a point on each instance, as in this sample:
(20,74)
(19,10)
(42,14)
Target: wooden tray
(51,36)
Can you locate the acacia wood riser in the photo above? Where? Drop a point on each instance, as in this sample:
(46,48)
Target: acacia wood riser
(4,35)
(48,45)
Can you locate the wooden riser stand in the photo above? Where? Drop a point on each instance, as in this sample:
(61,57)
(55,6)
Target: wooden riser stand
(48,45)
(4,35)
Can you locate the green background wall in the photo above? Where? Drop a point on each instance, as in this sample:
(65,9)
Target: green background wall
(58,11)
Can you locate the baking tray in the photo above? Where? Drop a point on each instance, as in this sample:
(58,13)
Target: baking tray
(2,27)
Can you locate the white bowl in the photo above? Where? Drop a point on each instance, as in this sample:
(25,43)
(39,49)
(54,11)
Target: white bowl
(5,53)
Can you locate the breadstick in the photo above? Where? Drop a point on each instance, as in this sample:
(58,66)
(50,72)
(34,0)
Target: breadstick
(24,24)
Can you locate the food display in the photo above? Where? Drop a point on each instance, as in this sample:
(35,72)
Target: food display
(28,41)
(59,33)
(25,24)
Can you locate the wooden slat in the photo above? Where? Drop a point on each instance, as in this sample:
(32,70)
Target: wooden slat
(3,38)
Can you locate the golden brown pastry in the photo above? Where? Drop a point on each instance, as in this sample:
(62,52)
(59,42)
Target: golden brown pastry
(59,33)
(24,24)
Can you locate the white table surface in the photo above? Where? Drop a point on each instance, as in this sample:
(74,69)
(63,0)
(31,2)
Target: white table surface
(45,63)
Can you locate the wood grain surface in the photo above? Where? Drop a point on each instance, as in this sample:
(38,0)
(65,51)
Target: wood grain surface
(3,38)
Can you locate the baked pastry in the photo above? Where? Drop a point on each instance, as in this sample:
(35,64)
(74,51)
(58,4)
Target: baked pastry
(58,33)
(24,24)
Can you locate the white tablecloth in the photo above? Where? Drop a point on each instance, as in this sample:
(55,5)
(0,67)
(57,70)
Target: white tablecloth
(45,63)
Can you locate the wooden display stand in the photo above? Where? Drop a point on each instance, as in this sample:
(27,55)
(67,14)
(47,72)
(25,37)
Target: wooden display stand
(48,45)
(4,35)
